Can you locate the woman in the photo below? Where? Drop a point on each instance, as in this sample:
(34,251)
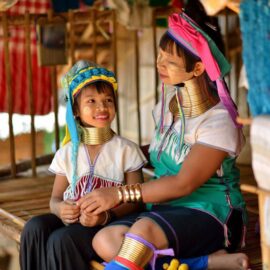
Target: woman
(194,204)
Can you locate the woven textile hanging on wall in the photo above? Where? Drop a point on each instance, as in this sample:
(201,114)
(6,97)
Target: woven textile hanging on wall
(17,48)
(255,28)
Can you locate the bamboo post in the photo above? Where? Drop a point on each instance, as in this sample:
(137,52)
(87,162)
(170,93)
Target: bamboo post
(94,47)
(14,219)
(71,36)
(94,265)
(53,72)
(137,84)
(9,94)
(264,203)
(155,54)
(227,41)
(114,49)
(27,30)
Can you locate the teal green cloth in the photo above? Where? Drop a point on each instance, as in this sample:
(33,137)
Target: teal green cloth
(217,196)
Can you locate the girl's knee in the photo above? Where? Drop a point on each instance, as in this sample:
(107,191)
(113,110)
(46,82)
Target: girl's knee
(36,226)
(59,239)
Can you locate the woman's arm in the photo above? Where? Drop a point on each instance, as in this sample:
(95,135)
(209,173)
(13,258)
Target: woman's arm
(200,164)
(127,208)
(121,210)
(67,211)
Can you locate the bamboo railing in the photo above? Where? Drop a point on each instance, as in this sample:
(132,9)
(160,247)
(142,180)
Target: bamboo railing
(72,19)
(27,20)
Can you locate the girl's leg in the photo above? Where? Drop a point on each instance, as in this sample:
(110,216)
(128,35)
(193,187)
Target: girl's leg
(34,239)
(71,248)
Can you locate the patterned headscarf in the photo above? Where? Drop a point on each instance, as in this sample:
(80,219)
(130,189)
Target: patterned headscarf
(186,33)
(80,75)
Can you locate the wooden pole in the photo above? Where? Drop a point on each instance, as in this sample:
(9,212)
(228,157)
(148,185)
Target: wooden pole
(137,84)
(78,17)
(27,30)
(71,36)
(94,47)
(53,72)
(9,94)
(227,42)
(114,49)
(155,53)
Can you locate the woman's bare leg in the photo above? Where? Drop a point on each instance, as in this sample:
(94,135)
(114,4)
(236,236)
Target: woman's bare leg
(108,241)
(221,260)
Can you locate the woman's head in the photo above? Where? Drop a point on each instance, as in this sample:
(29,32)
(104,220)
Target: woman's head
(175,64)
(95,105)
(197,55)
(177,41)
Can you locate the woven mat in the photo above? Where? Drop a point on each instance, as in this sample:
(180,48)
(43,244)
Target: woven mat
(28,197)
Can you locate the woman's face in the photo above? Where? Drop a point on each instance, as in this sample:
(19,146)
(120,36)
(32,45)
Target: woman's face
(171,68)
(96,109)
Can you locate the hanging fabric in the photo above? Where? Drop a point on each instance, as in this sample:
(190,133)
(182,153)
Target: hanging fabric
(17,48)
(255,28)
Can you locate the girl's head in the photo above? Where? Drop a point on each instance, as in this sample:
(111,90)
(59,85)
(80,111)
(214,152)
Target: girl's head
(90,102)
(90,91)
(95,105)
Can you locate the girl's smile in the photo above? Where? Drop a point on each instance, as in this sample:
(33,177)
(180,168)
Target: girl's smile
(96,109)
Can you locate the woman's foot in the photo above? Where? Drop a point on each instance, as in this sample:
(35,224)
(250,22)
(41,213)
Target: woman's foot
(221,260)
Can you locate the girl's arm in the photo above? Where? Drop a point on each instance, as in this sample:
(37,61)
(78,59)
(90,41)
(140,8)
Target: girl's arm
(67,211)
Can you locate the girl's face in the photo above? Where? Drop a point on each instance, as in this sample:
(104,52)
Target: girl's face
(171,68)
(96,109)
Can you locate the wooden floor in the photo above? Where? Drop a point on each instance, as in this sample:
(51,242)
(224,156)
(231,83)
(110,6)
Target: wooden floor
(27,197)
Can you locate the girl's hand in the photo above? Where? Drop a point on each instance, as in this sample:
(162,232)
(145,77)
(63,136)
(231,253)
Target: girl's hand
(99,200)
(68,211)
(90,220)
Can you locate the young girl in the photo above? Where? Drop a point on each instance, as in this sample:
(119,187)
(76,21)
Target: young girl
(92,156)
(195,206)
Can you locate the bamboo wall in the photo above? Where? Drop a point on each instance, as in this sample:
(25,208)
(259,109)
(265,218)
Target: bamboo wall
(128,52)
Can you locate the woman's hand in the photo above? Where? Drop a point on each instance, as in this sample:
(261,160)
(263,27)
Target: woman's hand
(99,200)
(90,220)
(68,211)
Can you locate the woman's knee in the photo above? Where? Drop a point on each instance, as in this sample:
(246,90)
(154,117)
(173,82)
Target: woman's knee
(150,231)
(143,227)
(107,241)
